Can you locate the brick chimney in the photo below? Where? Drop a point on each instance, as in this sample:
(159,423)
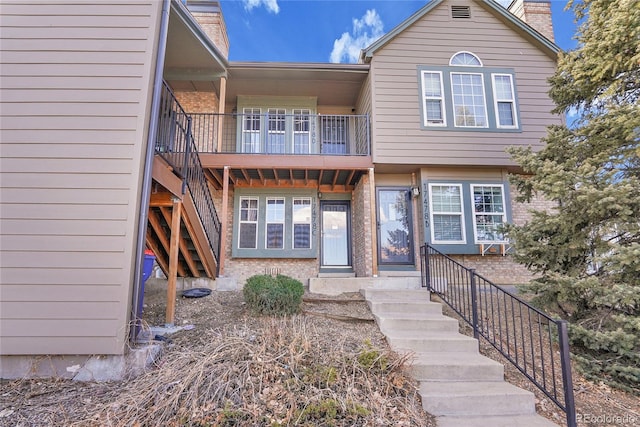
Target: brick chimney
(209,16)
(536,13)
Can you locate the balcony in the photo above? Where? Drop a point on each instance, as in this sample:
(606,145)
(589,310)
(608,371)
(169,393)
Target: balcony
(277,133)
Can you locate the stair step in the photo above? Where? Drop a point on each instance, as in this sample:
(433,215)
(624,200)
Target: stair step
(402,307)
(431,341)
(415,322)
(503,421)
(455,366)
(395,295)
(475,398)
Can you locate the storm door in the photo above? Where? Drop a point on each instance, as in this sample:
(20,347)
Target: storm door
(336,229)
(395,235)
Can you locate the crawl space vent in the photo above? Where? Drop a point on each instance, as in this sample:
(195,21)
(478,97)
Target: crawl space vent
(461,12)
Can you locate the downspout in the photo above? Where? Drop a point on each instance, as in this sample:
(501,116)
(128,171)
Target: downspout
(148,165)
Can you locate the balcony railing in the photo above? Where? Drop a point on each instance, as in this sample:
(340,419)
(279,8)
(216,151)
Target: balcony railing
(536,344)
(175,143)
(271,133)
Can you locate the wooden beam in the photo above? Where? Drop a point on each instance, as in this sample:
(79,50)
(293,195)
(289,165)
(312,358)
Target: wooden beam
(161,259)
(284,161)
(217,176)
(212,179)
(176,213)
(223,223)
(261,176)
(335,178)
(162,237)
(163,174)
(162,198)
(271,183)
(184,250)
(350,177)
(245,174)
(196,231)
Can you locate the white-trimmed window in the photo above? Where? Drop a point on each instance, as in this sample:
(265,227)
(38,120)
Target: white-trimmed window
(301,223)
(504,100)
(276,138)
(433,99)
(251,130)
(466,59)
(469,106)
(447,213)
(489,213)
(301,132)
(248,233)
(274,223)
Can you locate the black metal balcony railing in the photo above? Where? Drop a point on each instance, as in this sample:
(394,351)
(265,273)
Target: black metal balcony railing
(536,344)
(270,133)
(176,145)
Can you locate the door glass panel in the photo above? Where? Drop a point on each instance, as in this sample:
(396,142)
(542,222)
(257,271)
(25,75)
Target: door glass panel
(394,233)
(335,235)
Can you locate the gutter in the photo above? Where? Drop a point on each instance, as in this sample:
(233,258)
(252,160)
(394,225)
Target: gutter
(148,166)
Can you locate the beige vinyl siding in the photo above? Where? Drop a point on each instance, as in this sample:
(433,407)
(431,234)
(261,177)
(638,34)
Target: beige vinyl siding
(431,41)
(74,112)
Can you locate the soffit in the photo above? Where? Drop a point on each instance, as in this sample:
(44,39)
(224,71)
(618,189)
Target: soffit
(332,84)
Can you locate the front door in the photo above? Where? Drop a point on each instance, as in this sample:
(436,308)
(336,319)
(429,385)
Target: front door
(395,235)
(335,244)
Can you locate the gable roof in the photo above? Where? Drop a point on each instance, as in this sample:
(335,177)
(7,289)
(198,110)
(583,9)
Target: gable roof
(492,6)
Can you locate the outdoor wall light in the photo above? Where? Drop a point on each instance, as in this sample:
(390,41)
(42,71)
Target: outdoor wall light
(415,191)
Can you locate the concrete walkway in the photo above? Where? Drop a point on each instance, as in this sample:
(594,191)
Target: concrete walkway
(457,384)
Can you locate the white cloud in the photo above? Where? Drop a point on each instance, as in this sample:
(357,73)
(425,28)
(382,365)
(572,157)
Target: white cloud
(270,5)
(365,31)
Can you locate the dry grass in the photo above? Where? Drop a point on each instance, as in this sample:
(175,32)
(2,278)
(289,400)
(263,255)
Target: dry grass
(302,370)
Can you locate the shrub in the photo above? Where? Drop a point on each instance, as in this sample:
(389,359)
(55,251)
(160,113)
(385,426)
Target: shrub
(280,295)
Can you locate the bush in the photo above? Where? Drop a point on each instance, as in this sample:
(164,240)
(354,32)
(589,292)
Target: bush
(280,295)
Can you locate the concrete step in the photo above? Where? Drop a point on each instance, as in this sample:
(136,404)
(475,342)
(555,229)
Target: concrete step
(502,421)
(455,366)
(396,295)
(391,322)
(431,341)
(482,398)
(400,307)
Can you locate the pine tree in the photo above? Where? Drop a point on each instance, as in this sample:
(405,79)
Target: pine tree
(586,251)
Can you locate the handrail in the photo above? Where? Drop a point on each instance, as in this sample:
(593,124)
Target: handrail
(176,145)
(535,343)
(301,133)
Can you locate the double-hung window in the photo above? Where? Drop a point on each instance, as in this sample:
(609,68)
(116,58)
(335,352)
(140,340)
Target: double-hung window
(466,95)
(301,132)
(251,130)
(248,229)
(301,223)
(274,223)
(488,213)
(433,98)
(276,137)
(447,213)
(505,101)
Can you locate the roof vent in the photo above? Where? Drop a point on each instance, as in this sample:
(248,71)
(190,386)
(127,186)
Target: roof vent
(461,12)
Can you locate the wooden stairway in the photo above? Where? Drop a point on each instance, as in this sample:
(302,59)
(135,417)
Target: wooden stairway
(195,256)
(457,384)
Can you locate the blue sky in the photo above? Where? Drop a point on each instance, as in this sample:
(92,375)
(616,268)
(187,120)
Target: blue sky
(329,30)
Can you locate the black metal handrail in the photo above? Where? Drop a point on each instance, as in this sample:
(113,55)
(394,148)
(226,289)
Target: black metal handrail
(535,343)
(176,145)
(301,133)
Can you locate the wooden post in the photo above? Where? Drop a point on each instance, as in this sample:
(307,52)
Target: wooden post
(173,261)
(223,221)
(221,108)
(374,223)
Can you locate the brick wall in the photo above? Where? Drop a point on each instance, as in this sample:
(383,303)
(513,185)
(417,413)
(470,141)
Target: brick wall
(361,228)
(198,102)
(536,13)
(209,16)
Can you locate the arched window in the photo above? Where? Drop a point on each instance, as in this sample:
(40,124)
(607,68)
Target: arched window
(467,59)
